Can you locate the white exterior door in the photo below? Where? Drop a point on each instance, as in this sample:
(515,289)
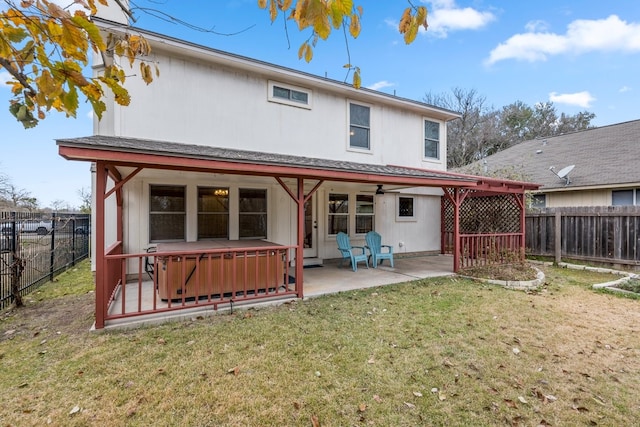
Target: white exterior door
(311,228)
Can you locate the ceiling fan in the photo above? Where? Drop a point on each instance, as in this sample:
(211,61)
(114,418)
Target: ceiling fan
(379,191)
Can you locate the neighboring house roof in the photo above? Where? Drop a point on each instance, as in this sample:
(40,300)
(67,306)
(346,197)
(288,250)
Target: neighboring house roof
(182,48)
(604,157)
(171,155)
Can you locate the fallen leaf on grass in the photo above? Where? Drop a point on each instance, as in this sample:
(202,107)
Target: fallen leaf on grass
(161,341)
(410,405)
(75,410)
(522,399)
(580,408)
(377,398)
(362,407)
(315,422)
(235,371)
(510,403)
(371,361)
(417,394)
(442,396)
(543,423)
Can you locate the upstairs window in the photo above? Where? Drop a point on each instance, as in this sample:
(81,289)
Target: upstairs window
(167,213)
(431,139)
(359,126)
(213,213)
(290,95)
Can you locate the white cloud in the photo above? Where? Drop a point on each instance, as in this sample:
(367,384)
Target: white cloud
(580,99)
(533,26)
(602,35)
(624,89)
(380,85)
(445,16)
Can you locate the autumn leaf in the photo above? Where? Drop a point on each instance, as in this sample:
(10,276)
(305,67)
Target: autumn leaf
(357,80)
(314,421)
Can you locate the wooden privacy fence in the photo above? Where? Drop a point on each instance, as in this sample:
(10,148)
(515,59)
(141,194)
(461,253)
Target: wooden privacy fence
(609,234)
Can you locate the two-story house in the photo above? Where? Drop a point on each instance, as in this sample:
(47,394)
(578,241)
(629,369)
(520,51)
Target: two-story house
(234,171)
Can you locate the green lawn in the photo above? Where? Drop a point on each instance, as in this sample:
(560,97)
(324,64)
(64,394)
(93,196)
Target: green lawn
(433,352)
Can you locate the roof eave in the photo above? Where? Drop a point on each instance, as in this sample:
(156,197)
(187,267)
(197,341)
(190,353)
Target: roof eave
(185,48)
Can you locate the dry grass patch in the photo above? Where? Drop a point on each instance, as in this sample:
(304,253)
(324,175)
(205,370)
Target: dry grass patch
(432,352)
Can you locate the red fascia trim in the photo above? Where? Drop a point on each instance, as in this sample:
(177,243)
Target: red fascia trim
(157,161)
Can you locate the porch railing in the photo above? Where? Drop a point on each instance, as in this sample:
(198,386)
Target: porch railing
(160,282)
(490,249)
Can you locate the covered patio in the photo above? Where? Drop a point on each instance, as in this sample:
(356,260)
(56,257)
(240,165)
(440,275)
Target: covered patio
(330,278)
(252,272)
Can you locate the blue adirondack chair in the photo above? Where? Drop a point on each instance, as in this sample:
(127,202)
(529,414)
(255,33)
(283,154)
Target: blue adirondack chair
(377,251)
(354,254)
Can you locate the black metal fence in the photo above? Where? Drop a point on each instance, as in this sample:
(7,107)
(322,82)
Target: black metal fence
(42,245)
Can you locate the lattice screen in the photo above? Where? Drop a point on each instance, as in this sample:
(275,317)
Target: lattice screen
(484,214)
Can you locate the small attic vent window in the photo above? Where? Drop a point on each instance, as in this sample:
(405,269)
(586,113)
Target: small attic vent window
(290,95)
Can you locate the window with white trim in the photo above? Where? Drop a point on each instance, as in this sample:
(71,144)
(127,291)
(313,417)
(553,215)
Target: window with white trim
(431,139)
(539,201)
(213,213)
(167,213)
(365,213)
(338,213)
(624,197)
(252,216)
(359,126)
(290,95)
(342,217)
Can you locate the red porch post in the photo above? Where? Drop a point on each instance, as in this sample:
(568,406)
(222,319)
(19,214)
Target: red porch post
(300,247)
(456,229)
(520,199)
(101,267)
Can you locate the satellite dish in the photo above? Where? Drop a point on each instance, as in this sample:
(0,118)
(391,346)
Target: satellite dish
(563,173)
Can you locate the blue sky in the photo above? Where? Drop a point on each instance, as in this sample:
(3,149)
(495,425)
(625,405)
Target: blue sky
(580,54)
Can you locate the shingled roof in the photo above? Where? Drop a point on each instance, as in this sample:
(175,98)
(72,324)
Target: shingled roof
(100,147)
(607,156)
